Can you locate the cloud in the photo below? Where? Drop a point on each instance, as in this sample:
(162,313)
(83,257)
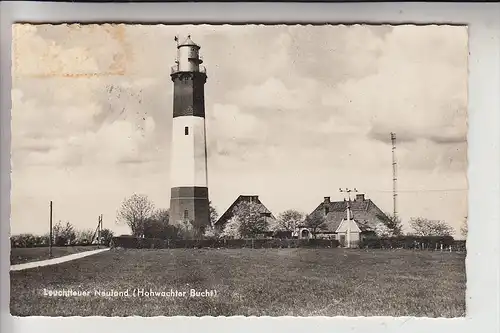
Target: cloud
(365,84)
(422,96)
(292,113)
(228,121)
(336,53)
(114,143)
(273,95)
(76,135)
(72,119)
(232,133)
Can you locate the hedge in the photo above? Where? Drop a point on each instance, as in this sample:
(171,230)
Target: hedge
(413,242)
(14,245)
(29,241)
(155,243)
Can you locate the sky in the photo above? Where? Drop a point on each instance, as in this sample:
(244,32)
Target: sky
(293,113)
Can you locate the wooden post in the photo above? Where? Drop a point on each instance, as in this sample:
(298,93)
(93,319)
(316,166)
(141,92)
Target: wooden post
(99,231)
(50,231)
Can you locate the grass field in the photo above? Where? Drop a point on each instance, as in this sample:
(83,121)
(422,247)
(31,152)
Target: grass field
(274,282)
(24,255)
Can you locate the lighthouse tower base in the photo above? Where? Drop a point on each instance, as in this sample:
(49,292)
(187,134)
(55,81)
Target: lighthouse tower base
(190,204)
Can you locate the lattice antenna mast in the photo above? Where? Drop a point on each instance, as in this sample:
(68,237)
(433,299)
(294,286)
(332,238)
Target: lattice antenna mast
(394,175)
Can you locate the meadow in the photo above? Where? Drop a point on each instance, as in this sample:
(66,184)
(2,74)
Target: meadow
(250,282)
(29,254)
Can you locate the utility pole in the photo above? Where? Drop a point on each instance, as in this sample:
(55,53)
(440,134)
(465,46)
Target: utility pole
(100,230)
(348,191)
(50,231)
(394,175)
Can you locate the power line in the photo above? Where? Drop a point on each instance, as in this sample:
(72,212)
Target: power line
(422,190)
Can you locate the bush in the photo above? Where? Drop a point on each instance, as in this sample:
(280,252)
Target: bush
(459,245)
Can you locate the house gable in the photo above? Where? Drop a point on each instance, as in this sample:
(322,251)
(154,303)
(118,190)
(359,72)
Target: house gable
(344,226)
(229,213)
(364,211)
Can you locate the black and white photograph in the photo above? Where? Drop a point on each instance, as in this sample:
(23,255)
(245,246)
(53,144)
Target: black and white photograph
(239,170)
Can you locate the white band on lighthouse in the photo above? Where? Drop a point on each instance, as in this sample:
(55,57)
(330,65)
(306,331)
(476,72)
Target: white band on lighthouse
(188,155)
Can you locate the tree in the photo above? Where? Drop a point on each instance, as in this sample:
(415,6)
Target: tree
(106,236)
(391,225)
(211,233)
(135,211)
(252,222)
(426,227)
(162,215)
(381,230)
(464,229)
(289,220)
(158,225)
(231,229)
(247,221)
(63,234)
(187,230)
(315,221)
(84,236)
(214,216)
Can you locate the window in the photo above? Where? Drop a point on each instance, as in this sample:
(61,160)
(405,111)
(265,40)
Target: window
(186,212)
(186,130)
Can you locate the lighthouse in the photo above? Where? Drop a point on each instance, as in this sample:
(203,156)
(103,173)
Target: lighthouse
(189,181)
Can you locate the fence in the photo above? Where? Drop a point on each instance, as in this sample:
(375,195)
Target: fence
(155,243)
(436,243)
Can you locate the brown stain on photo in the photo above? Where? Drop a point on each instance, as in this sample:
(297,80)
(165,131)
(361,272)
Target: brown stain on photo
(117,32)
(118,67)
(14,50)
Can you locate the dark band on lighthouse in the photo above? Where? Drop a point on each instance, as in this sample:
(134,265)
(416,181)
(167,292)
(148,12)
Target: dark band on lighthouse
(189,94)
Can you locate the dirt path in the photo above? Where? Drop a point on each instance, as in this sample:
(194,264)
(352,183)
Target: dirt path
(55,261)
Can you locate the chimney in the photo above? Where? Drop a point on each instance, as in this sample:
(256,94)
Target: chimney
(253,198)
(326,205)
(360,197)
